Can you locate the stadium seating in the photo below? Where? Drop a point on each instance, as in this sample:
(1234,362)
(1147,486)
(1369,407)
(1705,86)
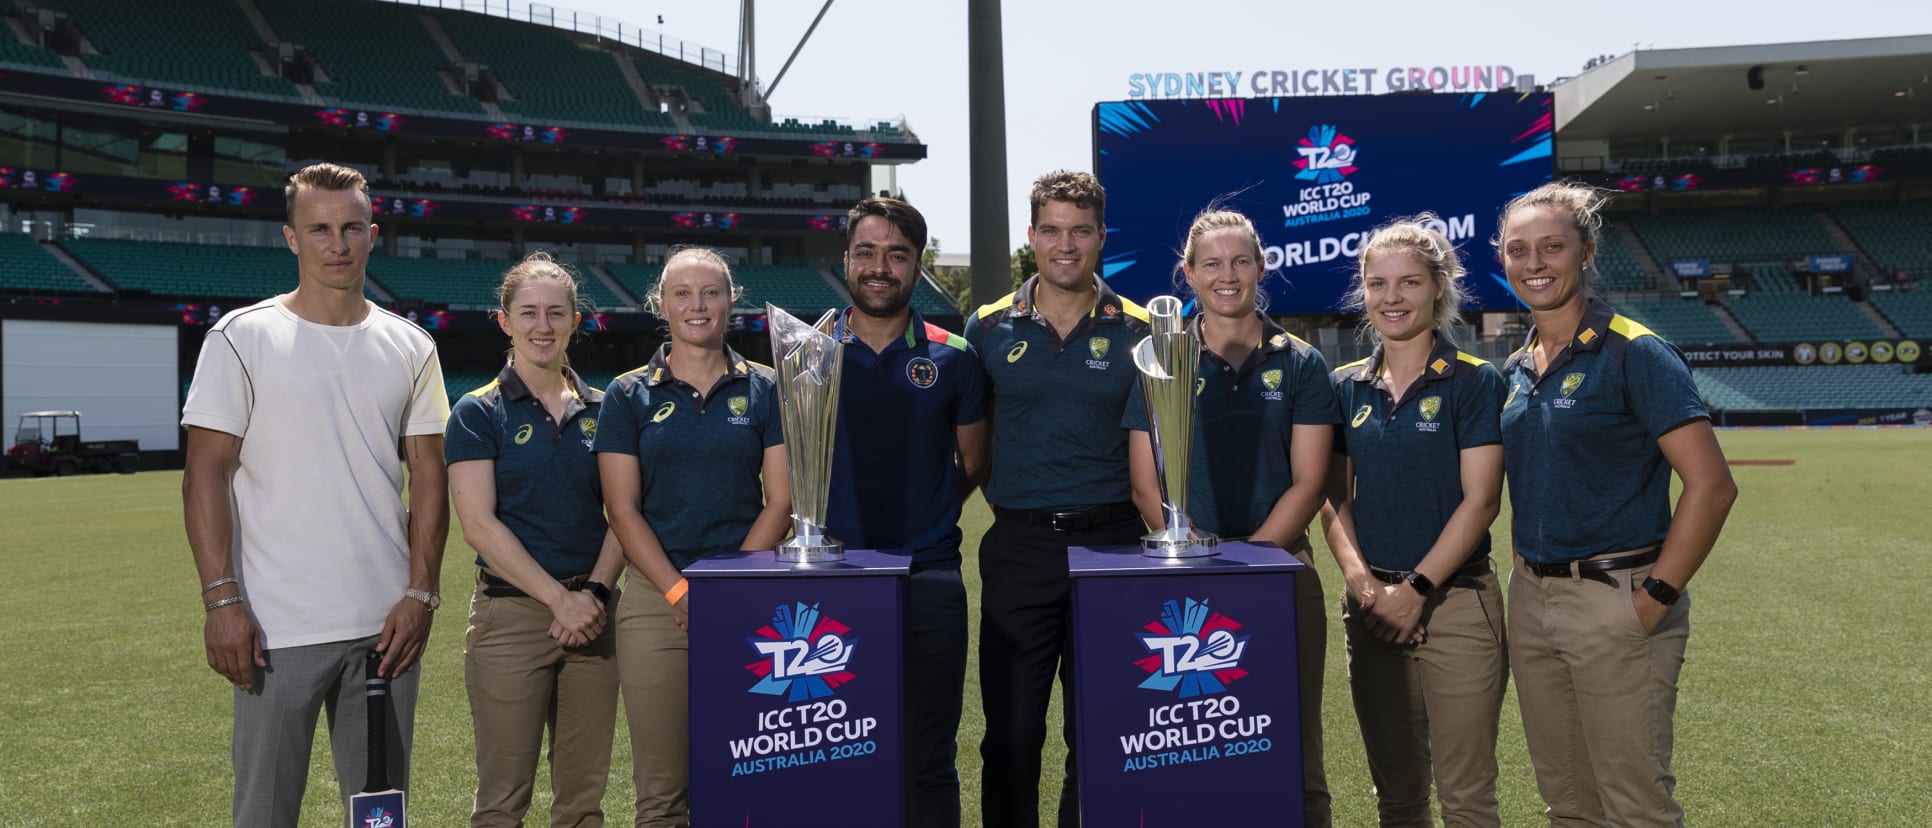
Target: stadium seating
(1910,312)
(190,270)
(550,77)
(24,265)
(1617,267)
(1683,322)
(1896,236)
(459,283)
(1773,278)
(721,110)
(1796,317)
(13,51)
(179,41)
(1817,386)
(1733,235)
(398,69)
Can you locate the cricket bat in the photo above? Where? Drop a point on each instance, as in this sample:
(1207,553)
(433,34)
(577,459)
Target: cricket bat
(379,805)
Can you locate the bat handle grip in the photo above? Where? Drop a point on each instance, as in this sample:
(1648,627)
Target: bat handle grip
(376,711)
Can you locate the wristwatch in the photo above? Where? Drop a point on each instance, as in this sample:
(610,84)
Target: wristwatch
(602,592)
(429,599)
(1420,583)
(1661,592)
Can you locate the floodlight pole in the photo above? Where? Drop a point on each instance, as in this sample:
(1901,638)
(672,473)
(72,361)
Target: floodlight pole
(986,135)
(773,89)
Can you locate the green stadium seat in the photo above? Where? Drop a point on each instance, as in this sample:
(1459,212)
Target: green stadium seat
(551,77)
(188,270)
(1796,317)
(1780,388)
(173,41)
(1617,266)
(399,69)
(1733,235)
(469,284)
(1896,236)
(1682,322)
(1911,312)
(26,266)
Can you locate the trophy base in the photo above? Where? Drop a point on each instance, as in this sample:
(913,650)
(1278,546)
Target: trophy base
(1185,543)
(825,550)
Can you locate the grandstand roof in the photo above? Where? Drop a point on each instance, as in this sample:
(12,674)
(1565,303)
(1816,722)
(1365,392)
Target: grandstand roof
(1825,85)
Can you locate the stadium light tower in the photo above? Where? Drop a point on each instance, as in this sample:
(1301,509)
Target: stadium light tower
(986,114)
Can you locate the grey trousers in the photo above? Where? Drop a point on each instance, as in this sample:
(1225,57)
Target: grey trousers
(275,729)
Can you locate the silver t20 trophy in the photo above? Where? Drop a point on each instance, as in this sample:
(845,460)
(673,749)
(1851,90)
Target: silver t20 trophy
(1168,359)
(808,362)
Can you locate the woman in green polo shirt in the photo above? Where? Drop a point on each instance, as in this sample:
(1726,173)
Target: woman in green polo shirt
(1599,413)
(1415,484)
(692,455)
(539,650)
(1264,418)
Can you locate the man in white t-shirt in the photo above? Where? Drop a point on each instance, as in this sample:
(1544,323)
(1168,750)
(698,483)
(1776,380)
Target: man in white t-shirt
(304,410)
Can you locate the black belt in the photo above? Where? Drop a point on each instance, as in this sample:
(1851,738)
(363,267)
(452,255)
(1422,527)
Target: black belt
(1069,521)
(496,587)
(1595,569)
(1467,576)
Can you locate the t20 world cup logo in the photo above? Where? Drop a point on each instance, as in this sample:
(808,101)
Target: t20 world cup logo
(802,654)
(1327,156)
(1195,650)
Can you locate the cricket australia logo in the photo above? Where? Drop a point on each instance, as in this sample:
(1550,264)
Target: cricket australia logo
(1327,156)
(802,654)
(588,426)
(1271,384)
(1097,347)
(1431,406)
(738,406)
(1196,651)
(1570,384)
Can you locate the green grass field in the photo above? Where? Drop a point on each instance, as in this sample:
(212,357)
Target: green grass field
(1803,700)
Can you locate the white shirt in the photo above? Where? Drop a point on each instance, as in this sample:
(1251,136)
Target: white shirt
(320,539)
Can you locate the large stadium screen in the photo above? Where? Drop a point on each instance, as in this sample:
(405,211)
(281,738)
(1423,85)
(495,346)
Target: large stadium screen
(1315,174)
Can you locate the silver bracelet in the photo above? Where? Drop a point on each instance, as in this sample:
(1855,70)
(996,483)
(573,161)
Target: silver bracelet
(215,605)
(215,583)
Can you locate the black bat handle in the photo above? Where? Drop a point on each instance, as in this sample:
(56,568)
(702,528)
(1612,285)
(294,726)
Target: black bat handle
(377,713)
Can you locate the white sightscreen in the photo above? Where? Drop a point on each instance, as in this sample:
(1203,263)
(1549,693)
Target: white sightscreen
(124,379)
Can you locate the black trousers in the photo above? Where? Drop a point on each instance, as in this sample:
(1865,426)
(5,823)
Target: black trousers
(935,670)
(1025,629)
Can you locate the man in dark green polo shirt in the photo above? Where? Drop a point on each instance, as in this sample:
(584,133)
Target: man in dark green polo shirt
(1058,355)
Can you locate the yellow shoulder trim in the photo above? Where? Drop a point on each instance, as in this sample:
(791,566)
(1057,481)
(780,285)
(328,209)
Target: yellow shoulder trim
(1628,328)
(1351,366)
(994,306)
(481,391)
(638,370)
(1128,307)
(1472,359)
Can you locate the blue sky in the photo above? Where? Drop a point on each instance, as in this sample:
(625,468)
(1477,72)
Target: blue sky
(881,59)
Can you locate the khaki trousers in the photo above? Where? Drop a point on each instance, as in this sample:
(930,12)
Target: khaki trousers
(653,662)
(520,681)
(1430,711)
(1597,695)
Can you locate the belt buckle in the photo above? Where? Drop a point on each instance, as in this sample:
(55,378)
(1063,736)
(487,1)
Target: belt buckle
(1062,521)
